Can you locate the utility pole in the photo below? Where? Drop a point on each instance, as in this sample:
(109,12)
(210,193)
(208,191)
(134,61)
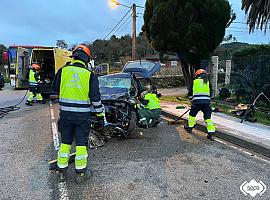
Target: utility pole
(134,31)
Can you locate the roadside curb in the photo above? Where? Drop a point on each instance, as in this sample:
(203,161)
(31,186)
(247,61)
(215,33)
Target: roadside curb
(225,135)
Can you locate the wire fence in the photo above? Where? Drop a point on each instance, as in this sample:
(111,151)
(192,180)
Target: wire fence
(250,77)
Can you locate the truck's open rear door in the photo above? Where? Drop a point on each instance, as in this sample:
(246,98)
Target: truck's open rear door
(22,68)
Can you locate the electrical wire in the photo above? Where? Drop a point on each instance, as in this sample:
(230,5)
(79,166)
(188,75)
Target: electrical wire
(122,24)
(5,110)
(117,24)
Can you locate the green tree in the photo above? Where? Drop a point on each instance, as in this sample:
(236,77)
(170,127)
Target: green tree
(2,50)
(191,28)
(116,49)
(258,12)
(143,47)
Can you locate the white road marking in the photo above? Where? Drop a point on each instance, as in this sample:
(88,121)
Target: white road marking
(52,114)
(62,187)
(242,150)
(55,136)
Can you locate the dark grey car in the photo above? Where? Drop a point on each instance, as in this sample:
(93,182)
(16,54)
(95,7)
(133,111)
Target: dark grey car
(120,91)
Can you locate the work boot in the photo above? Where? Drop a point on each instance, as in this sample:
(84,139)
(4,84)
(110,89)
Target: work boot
(145,126)
(155,122)
(41,101)
(61,175)
(83,176)
(188,129)
(211,137)
(29,103)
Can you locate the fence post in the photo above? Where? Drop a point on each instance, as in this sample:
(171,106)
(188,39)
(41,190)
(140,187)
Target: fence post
(214,75)
(228,72)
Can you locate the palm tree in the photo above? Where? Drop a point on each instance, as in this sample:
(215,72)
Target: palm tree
(258,12)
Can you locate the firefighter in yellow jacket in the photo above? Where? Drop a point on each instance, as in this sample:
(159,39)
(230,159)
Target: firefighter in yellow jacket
(149,109)
(78,90)
(200,94)
(34,80)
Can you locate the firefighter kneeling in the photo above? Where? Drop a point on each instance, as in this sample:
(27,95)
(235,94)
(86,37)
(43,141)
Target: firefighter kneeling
(149,110)
(200,93)
(34,80)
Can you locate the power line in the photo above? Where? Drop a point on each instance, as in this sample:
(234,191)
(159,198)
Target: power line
(122,24)
(239,23)
(140,6)
(236,31)
(240,28)
(117,24)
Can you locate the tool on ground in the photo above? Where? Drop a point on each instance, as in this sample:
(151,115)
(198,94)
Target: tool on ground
(53,163)
(181,107)
(182,115)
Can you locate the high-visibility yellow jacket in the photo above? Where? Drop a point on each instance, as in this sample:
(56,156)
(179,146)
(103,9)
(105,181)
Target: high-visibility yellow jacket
(152,101)
(201,92)
(78,90)
(34,77)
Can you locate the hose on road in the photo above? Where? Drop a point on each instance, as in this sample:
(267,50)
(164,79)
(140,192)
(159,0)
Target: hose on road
(5,110)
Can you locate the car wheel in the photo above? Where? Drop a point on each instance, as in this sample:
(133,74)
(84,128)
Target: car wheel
(132,122)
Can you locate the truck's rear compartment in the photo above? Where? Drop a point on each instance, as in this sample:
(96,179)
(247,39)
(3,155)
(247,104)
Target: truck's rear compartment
(45,58)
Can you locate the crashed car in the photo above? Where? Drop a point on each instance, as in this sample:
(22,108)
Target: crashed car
(120,91)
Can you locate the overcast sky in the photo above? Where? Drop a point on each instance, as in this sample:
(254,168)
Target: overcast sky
(42,22)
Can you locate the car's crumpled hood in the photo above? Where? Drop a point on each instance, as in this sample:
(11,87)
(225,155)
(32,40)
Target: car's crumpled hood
(112,93)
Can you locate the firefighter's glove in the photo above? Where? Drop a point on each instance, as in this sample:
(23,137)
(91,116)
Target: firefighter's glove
(100,123)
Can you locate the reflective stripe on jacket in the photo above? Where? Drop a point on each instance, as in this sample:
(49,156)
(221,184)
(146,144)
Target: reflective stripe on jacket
(201,92)
(153,101)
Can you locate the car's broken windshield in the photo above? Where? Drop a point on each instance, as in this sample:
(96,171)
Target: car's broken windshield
(111,82)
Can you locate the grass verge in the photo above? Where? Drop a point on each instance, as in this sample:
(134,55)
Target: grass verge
(184,100)
(261,117)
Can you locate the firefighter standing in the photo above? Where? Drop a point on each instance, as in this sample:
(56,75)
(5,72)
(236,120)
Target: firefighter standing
(149,110)
(200,93)
(34,80)
(78,89)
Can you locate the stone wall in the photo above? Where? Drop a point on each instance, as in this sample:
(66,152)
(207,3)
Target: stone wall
(168,82)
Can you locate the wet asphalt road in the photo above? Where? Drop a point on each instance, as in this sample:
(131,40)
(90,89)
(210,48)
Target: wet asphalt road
(159,163)
(9,96)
